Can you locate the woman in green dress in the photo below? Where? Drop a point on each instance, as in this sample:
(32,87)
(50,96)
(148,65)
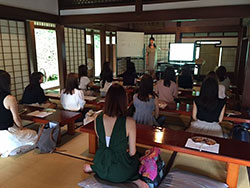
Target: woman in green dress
(116,158)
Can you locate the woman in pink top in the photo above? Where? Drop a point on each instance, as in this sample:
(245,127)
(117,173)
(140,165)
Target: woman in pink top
(167,89)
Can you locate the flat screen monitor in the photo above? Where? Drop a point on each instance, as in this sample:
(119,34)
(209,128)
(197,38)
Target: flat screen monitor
(181,52)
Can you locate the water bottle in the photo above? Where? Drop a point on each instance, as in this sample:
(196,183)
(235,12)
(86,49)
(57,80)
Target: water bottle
(177,106)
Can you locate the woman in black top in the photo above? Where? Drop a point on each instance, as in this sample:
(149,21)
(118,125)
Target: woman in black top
(129,76)
(185,79)
(6,118)
(208,110)
(12,133)
(33,93)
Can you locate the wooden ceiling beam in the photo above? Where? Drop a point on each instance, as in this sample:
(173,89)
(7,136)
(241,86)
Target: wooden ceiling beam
(138,7)
(67,4)
(7,12)
(196,29)
(164,1)
(238,11)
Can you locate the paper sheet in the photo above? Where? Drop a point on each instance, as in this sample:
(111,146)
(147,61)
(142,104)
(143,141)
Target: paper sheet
(89,119)
(37,113)
(53,95)
(202,146)
(90,98)
(101,100)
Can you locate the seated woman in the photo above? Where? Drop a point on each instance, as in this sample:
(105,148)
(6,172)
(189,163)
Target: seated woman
(116,133)
(106,78)
(129,76)
(71,97)
(185,79)
(14,138)
(208,110)
(33,93)
(167,89)
(222,89)
(222,77)
(83,77)
(146,104)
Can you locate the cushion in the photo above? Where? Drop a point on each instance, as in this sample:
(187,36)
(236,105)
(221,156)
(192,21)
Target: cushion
(94,182)
(177,178)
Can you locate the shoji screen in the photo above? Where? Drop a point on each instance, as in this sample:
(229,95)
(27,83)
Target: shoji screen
(13,55)
(75,48)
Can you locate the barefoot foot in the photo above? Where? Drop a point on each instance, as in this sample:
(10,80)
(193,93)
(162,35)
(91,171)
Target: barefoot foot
(141,184)
(87,168)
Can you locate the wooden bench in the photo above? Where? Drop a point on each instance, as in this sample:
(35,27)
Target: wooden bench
(233,152)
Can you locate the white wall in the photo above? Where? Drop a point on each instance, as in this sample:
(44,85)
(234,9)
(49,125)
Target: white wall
(47,6)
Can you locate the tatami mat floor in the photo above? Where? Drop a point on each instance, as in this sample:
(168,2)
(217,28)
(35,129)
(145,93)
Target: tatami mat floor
(34,170)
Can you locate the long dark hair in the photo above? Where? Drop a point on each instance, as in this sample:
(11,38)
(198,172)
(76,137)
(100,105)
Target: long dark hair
(151,38)
(130,67)
(212,74)
(106,74)
(208,98)
(185,70)
(169,75)
(146,88)
(71,83)
(82,70)
(221,73)
(4,82)
(116,101)
(35,78)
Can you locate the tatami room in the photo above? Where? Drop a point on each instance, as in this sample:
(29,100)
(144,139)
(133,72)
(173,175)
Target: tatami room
(94,90)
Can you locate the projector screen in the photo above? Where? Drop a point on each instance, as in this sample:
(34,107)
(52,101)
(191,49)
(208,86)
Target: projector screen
(130,44)
(181,52)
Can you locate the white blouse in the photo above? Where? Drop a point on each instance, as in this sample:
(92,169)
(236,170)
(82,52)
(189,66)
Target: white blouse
(74,102)
(84,81)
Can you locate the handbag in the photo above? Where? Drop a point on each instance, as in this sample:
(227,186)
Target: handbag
(47,137)
(241,132)
(153,168)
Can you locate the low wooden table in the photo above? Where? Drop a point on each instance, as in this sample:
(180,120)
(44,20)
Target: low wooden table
(63,117)
(233,152)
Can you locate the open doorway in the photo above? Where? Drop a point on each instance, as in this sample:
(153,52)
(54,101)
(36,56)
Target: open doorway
(47,59)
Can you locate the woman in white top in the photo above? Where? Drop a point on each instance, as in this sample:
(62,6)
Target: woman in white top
(83,77)
(71,97)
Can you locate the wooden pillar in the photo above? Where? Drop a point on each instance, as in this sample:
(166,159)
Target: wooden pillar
(103,46)
(241,61)
(178,33)
(246,90)
(31,46)
(239,53)
(61,52)
(232,175)
(138,7)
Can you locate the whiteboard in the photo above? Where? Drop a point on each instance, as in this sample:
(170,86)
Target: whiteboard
(130,44)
